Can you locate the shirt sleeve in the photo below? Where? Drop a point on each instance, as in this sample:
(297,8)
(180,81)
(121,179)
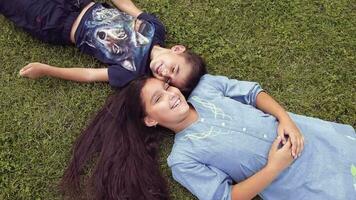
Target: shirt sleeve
(243,91)
(205,182)
(160,31)
(119,77)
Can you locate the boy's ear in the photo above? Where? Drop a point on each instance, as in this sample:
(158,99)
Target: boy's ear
(178,48)
(150,122)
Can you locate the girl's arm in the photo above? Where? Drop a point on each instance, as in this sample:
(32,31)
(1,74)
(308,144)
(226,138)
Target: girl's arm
(286,125)
(38,70)
(251,93)
(278,160)
(128,7)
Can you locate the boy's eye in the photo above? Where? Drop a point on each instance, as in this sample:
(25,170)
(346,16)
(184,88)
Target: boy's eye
(167,82)
(175,69)
(166,86)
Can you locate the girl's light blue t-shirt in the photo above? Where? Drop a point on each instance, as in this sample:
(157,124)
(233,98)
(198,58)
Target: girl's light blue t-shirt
(231,140)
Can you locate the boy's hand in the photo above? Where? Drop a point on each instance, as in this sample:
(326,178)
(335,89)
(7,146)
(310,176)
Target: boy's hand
(280,158)
(288,128)
(34,70)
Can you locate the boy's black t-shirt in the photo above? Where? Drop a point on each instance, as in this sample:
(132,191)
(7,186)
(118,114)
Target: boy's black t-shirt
(119,40)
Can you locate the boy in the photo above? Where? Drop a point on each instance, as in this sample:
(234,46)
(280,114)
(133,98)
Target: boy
(128,41)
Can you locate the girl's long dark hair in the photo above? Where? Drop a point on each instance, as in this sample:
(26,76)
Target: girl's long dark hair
(127,164)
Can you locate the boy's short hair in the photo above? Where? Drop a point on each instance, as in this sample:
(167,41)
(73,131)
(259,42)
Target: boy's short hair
(198,70)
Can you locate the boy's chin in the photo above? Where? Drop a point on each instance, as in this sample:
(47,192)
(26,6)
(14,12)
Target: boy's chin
(158,77)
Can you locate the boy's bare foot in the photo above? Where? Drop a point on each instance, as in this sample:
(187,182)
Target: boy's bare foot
(34,70)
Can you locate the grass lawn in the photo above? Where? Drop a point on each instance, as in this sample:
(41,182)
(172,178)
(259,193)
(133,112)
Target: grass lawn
(302,52)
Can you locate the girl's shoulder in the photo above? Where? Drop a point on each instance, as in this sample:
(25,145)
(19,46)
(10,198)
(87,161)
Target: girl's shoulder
(210,77)
(208,86)
(179,154)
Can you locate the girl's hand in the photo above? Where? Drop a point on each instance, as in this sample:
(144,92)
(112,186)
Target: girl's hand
(288,128)
(34,70)
(280,158)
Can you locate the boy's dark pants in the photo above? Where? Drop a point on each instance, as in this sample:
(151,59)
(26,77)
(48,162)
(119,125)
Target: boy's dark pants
(48,20)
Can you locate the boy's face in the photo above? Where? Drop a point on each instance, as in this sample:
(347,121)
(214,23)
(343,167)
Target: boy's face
(171,66)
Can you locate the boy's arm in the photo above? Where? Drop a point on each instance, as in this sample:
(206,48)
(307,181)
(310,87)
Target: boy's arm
(38,70)
(286,125)
(128,7)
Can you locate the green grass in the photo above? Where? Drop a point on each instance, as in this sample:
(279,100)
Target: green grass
(302,53)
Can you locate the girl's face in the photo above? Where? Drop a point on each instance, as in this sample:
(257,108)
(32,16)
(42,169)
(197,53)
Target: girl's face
(165,105)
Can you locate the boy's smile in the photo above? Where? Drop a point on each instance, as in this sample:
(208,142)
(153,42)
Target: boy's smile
(158,68)
(170,65)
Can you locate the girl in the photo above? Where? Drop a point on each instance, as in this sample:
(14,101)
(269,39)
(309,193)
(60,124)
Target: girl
(225,147)
(130,42)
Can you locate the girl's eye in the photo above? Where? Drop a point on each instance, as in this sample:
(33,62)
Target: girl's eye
(157,99)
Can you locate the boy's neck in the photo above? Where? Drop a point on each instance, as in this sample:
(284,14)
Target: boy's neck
(157,50)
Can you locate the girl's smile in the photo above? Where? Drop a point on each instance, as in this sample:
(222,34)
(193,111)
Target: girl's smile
(165,105)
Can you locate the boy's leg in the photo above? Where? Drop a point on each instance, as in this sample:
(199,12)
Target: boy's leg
(48,20)
(15,10)
(30,15)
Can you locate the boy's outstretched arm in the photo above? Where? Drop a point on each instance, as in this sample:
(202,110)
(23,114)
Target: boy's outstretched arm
(128,7)
(286,125)
(38,70)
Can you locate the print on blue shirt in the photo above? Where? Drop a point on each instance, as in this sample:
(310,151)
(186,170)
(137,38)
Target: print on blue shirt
(120,37)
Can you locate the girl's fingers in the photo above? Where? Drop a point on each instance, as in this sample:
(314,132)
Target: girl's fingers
(287,145)
(298,147)
(301,146)
(294,143)
(276,143)
(280,132)
(287,149)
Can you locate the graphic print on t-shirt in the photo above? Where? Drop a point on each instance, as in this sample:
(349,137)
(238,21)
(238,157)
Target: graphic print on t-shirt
(120,37)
